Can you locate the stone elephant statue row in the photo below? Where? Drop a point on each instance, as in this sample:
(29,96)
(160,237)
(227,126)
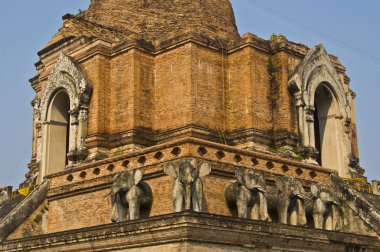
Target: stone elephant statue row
(249,195)
(129,195)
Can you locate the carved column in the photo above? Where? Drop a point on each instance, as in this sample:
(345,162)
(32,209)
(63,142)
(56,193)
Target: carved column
(72,155)
(82,134)
(300,109)
(308,149)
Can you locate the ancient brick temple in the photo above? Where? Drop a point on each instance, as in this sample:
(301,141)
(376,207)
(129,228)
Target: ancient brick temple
(158,127)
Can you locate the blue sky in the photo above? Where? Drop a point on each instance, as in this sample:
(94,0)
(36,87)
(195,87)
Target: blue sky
(347,28)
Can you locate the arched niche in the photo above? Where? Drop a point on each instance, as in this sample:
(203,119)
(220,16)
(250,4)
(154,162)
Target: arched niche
(57,132)
(67,89)
(328,132)
(322,105)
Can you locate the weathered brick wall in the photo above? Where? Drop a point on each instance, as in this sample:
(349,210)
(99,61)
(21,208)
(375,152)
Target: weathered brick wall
(97,70)
(122,92)
(172,97)
(248,82)
(35,224)
(209,87)
(161,20)
(86,209)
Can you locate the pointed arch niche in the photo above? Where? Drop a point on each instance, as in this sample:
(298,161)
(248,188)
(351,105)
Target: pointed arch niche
(61,118)
(323,112)
(57,132)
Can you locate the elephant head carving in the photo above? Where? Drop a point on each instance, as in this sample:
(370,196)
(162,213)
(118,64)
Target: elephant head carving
(291,201)
(188,186)
(248,192)
(128,195)
(326,209)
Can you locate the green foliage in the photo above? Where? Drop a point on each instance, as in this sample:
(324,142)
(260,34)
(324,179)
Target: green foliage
(273,36)
(331,237)
(274,149)
(298,157)
(38,218)
(274,84)
(119,152)
(342,199)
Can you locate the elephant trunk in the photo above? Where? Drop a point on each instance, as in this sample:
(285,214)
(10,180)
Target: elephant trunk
(189,180)
(188,196)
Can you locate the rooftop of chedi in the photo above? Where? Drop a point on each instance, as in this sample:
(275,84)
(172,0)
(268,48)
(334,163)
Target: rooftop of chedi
(152,20)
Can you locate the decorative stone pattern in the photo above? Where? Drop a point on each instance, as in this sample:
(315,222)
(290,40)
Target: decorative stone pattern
(317,68)
(67,75)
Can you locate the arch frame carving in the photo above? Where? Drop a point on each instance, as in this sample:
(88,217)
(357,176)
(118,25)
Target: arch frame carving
(67,75)
(317,69)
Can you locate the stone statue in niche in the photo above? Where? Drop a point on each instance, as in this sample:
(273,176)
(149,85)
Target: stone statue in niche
(248,192)
(326,209)
(290,201)
(129,195)
(188,186)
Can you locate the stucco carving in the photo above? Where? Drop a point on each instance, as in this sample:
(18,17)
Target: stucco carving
(290,201)
(188,186)
(314,70)
(83,115)
(249,194)
(326,207)
(67,75)
(128,195)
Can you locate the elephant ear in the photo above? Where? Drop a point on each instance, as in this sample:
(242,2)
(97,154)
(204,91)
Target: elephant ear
(300,186)
(171,169)
(261,181)
(204,169)
(314,190)
(280,183)
(137,176)
(239,175)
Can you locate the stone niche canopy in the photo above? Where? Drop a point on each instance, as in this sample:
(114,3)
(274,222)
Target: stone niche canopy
(159,20)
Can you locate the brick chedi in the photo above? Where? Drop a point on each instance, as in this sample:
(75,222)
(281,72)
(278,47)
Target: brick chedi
(158,127)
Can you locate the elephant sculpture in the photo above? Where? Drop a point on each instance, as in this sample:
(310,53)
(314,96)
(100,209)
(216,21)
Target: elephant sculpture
(248,192)
(291,201)
(326,209)
(129,195)
(188,186)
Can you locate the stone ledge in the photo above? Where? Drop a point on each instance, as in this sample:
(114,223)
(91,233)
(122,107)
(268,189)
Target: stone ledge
(189,140)
(196,227)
